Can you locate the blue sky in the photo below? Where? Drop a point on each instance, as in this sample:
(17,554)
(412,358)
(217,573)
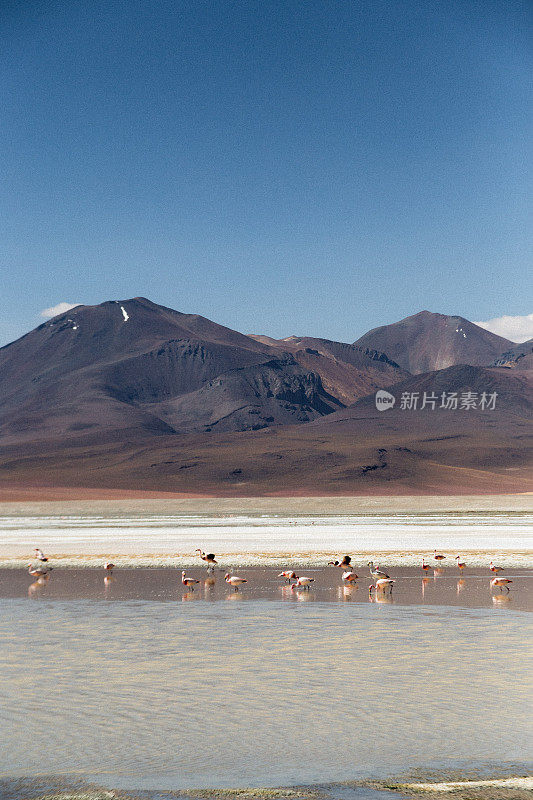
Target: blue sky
(281,167)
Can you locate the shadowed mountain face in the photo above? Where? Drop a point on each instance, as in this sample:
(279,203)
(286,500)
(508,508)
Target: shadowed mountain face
(520,356)
(427,341)
(347,371)
(132,395)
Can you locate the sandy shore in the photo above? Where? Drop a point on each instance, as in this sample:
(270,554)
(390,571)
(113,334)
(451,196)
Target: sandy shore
(269,531)
(87,501)
(501,788)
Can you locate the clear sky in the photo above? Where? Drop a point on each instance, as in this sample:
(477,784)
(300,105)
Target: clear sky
(312,167)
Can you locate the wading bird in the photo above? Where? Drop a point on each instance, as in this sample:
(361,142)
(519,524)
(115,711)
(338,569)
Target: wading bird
(349,577)
(460,564)
(439,556)
(500,583)
(376,572)
(209,559)
(38,572)
(495,569)
(188,582)
(425,567)
(109,566)
(304,582)
(40,555)
(346,563)
(383,586)
(289,575)
(234,580)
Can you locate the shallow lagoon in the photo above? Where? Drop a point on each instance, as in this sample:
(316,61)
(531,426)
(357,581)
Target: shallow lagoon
(140,684)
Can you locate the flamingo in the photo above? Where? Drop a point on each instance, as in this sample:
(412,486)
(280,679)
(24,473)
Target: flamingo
(109,566)
(382,585)
(188,582)
(377,573)
(346,563)
(38,572)
(289,575)
(460,564)
(209,559)
(425,567)
(234,581)
(495,569)
(349,576)
(500,583)
(304,582)
(439,556)
(40,555)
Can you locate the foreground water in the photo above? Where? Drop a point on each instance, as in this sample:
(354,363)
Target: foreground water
(125,684)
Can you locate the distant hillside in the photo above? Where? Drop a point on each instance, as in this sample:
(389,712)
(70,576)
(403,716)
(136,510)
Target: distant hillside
(427,341)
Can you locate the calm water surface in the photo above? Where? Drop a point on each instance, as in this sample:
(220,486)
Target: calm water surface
(140,684)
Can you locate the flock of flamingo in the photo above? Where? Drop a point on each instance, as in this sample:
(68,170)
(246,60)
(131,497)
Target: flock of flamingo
(382,584)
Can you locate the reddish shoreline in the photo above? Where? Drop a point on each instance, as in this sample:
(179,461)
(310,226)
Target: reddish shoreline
(14,494)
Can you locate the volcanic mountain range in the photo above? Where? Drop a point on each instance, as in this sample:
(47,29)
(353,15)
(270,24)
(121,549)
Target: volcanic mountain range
(130,394)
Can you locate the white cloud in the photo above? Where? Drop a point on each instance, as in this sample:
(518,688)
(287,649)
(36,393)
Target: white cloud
(59,309)
(517,329)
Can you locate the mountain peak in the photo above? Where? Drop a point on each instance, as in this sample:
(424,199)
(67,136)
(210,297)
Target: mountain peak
(428,341)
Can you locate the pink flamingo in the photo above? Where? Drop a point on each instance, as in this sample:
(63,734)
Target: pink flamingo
(495,569)
(349,576)
(109,566)
(384,585)
(439,556)
(346,563)
(500,583)
(234,580)
(289,575)
(304,582)
(38,572)
(188,582)
(460,564)
(377,573)
(209,559)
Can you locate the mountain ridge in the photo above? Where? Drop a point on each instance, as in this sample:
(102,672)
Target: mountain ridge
(133,395)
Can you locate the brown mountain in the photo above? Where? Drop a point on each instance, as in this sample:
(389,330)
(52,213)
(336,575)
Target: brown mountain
(347,371)
(356,450)
(138,367)
(134,396)
(427,341)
